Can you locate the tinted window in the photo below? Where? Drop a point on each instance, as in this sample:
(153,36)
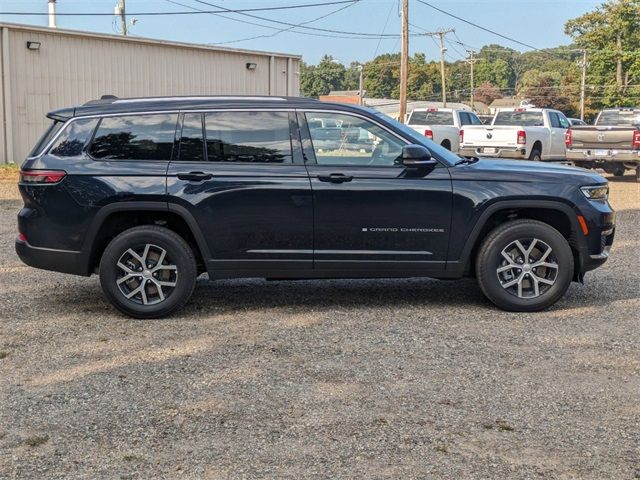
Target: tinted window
(564,121)
(192,138)
(356,142)
(553,118)
(46,138)
(73,139)
(135,137)
(260,137)
(473,118)
(616,118)
(430,118)
(527,119)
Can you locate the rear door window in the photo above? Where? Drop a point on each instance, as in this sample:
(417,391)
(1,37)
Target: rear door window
(135,137)
(74,138)
(248,137)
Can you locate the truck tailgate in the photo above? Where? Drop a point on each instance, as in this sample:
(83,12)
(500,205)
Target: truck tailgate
(502,135)
(618,138)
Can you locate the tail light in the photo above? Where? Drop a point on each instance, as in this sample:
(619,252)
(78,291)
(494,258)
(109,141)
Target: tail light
(42,176)
(567,138)
(636,140)
(22,237)
(429,134)
(522,137)
(461,136)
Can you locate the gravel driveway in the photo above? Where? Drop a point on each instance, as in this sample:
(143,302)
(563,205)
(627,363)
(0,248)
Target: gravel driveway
(369,379)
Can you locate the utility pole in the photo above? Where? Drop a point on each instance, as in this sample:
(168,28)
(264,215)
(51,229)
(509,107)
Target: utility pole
(471,60)
(442,34)
(583,83)
(121,11)
(361,85)
(404,60)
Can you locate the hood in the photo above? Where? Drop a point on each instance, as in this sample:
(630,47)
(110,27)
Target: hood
(526,171)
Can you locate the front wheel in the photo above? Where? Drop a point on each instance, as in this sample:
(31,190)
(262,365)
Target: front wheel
(148,272)
(524,266)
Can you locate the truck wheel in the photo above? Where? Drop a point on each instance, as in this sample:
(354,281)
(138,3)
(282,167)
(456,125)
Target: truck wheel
(619,172)
(524,266)
(535,155)
(148,272)
(638,173)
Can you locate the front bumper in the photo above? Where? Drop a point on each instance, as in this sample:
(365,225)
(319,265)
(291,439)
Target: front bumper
(64,261)
(496,152)
(603,155)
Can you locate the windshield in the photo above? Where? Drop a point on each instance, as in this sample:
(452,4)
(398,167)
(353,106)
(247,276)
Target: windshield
(430,118)
(442,153)
(526,119)
(616,118)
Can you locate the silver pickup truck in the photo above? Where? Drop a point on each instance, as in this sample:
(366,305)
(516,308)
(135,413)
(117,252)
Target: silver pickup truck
(611,143)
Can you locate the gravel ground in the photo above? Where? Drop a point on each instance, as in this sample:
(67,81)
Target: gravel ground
(367,379)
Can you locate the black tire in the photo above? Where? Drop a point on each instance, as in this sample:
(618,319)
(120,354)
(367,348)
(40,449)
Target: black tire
(446,145)
(535,155)
(619,172)
(176,273)
(490,260)
(638,173)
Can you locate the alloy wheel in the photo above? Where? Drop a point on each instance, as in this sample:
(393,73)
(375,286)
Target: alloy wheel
(528,268)
(146,275)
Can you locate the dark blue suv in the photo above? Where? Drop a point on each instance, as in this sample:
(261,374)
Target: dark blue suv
(151,192)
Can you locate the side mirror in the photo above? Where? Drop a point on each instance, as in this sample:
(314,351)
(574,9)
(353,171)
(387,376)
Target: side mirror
(417,156)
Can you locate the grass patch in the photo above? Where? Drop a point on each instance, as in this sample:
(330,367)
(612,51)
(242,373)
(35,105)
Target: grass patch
(9,173)
(37,440)
(3,354)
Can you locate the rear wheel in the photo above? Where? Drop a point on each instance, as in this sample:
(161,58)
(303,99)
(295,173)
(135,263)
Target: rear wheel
(524,266)
(535,155)
(148,272)
(618,172)
(638,173)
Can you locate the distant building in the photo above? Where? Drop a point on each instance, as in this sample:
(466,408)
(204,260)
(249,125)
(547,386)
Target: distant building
(342,96)
(48,68)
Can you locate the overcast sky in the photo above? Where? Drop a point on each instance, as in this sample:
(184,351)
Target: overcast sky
(535,22)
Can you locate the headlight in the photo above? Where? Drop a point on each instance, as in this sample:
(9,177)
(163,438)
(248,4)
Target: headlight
(596,192)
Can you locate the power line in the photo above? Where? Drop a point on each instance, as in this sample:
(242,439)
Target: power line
(279,22)
(190,12)
(481,27)
(344,7)
(384,28)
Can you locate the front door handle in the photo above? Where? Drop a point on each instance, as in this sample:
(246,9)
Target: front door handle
(335,178)
(194,176)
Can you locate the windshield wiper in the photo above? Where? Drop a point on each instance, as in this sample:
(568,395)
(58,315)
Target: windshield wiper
(466,160)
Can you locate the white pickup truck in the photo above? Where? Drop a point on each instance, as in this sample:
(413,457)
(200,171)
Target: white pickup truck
(442,125)
(519,133)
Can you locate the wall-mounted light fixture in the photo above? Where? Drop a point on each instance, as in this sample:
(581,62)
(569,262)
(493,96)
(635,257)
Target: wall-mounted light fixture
(33,45)
(251,66)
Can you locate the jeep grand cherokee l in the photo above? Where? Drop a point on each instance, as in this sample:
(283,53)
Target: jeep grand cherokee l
(149,193)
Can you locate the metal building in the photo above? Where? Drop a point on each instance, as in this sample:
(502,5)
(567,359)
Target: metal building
(46,68)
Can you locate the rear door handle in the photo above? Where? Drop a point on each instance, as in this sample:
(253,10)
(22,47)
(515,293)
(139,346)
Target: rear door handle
(194,176)
(335,178)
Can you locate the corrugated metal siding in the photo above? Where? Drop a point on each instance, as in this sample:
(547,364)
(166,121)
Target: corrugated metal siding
(71,69)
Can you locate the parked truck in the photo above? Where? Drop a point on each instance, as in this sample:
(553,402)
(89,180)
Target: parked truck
(611,143)
(442,125)
(520,133)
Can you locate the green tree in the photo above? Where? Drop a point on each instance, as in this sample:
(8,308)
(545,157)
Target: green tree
(611,36)
(544,89)
(316,80)
(486,93)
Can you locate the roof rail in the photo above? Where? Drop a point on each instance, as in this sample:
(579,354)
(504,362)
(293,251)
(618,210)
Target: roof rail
(102,100)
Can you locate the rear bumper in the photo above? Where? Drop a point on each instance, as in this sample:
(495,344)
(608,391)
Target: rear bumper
(592,155)
(500,152)
(63,261)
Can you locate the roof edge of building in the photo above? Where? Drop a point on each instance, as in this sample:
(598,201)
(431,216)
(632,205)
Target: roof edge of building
(145,40)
